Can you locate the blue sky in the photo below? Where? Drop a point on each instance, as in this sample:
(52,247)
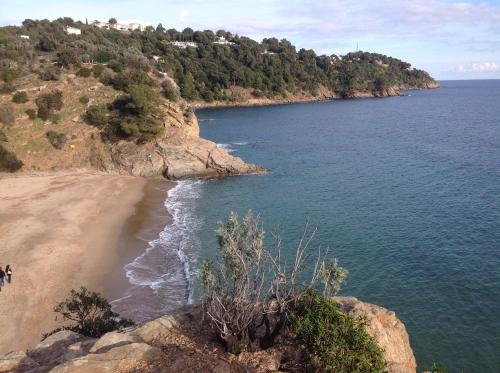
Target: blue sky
(450,39)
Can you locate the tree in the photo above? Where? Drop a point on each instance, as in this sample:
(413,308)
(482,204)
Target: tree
(89,313)
(112,21)
(97,115)
(250,286)
(170,90)
(67,58)
(187,86)
(48,103)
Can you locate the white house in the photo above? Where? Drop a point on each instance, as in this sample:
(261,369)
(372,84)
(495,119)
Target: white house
(25,37)
(73,31)
(184,44)
(121,26)
(221,40)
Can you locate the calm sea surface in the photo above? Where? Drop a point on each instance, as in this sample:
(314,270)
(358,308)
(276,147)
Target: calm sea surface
(405,190)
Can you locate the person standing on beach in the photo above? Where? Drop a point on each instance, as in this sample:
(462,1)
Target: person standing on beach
(8,272)
(2,276)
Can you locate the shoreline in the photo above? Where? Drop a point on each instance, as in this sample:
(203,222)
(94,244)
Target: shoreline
(260,102)
(142,227)
(59,231)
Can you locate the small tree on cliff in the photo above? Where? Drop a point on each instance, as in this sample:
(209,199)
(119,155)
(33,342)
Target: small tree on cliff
(250,287)
(89,313)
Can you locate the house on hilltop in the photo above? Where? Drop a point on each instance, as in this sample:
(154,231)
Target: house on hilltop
(73,31)
(221,40)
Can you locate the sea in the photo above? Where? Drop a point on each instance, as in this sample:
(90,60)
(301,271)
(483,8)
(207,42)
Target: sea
(404,191)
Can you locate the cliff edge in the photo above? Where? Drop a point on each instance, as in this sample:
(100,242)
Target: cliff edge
(181,342)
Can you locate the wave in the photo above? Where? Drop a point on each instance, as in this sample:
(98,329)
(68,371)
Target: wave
(232,147)
(162,278)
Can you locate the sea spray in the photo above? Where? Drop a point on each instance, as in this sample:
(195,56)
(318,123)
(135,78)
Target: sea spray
(162,277)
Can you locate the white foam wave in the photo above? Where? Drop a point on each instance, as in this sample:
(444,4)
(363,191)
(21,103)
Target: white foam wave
(168,264)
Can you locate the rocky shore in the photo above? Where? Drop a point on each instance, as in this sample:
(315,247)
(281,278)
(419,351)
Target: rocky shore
(181,342)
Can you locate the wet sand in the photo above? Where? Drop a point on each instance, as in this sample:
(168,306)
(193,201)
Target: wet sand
(149,219)
(58,232)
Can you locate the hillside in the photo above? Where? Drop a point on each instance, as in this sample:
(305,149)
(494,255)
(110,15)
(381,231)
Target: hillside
(76,95)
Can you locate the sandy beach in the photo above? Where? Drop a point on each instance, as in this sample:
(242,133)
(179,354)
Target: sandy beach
(58,231)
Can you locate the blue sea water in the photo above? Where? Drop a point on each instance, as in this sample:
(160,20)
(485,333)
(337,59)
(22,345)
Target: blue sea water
(405,191)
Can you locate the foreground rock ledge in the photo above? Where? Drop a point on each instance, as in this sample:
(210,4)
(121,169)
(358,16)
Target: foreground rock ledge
(179,342)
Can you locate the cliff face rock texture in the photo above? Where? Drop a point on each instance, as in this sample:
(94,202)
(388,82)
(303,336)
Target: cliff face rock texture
(177,153)
(387,330)
(179,342)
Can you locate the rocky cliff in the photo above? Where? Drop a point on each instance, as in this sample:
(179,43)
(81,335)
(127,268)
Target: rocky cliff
(177,153)
(180,342)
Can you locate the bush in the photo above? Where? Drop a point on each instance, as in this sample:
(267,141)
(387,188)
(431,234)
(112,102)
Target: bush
(333,340)
(9,161)
(31,113)
(84,100)
(97,115)
(250,286)
(116,66)
(103,56)
(3,136)
(7,88)
(50,73)
(20,97)
(57,140)
(89,314)
(9,75)
(47,103)
(84,72)
(67,58)
(7,115)
(97,70)
(170,90)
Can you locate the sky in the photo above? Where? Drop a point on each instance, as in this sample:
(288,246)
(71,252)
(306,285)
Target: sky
(449,39)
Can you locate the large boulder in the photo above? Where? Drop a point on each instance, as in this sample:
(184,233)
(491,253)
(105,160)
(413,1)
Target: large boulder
(387,330)
(133,357)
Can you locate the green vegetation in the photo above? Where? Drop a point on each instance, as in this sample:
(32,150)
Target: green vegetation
(32,113)
(9,161)
(97,115)
(48,103)
(50,73)
(84,72)
(56,139)
(20,97)
(84,100)
(88,313)
(7,115)
(272,68)
(333,340)
(170,90)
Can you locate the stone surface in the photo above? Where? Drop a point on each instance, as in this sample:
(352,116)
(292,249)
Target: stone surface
(16,361)
(114,339)
(133,357)
(387,330)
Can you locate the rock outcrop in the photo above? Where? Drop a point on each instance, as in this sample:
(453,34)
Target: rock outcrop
(178,154)
(387,330)
(181,342)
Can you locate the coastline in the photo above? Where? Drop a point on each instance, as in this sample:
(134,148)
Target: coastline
(306,98)
(59,231)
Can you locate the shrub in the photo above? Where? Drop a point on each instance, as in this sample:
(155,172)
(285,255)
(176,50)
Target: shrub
(97,115)
(9,75)
(50,73)
(103,56)
(56,139)
(3,136)
(67,58)
(84,100)
(9,161)
(123,80)
(31,113)
(97,70)
(7,115)
(250,286)
(7,88)
(116,66)
(333,340)
(47,44)
(84,72)
(47,103)
(20,97)
(170,90)
(89,314)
